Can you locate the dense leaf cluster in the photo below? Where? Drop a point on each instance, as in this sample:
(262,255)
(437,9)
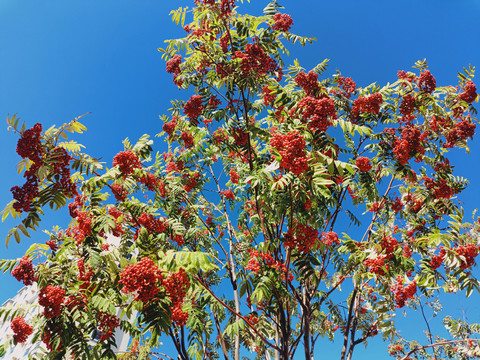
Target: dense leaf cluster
(278,188)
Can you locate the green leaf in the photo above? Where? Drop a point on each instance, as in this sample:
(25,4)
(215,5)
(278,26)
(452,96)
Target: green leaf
(16,235)
(23,230)
(322,67)
(71,146)
(9,210)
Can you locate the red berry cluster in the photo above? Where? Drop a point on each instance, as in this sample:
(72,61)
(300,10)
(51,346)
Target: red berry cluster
(173,67)
(394,349)
(390,131)
(127,162)
(73,232)
(308,82)
(84,223)
(178,238)
(291,148)
(24,271)
(347,84)
(363,163)
(83,228)
(240,136)
(308,204)
(402,293)
(25,194)
(29,146)
(52,243)
(438,123)
(443,166)
(198,32)
(409,145)
(402,75)
(376,265)
(193,108)
(75,206)
(162,191)
(61,161)
(462,130)
(152,224)
(388,245)
(223,70)
(407,251)
(415,204)
(119,192)
(187,139)
(266,259)
(376,206)
(170,126)
(191,181)
(469,252)
(224,42)
(455,132)
(234,177)
(253,263)
(426,82)
(173,166)
(437,260)
(301,237)
(397,205)
(177,285)
(220,136)
(367,104)
(351,193)
(106,325)
(407,107)
(268,97)
(142,279)
(330,238)
(84,276)
(209,221)
(439,188)
(179,316)
(21,330)
(213,102)
(135,343)
(252,319)
(51,298)
(150,181)
(283,22)
(226,7)
(470,92)
(76,302)
(318,110)
(228,194)
(255,62)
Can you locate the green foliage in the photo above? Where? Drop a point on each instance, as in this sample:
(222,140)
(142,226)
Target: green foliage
(238,236)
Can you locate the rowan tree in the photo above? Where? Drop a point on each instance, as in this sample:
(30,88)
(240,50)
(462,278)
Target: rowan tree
(277,187)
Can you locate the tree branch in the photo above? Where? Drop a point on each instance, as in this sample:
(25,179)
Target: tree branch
(266,342)
(349,321)
(440,343)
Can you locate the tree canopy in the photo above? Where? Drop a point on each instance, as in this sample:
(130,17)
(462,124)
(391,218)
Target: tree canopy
(285,209)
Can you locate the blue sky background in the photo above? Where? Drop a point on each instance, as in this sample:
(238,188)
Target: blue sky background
(60,59)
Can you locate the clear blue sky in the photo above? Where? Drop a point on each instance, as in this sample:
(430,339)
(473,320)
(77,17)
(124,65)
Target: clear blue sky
(60,59)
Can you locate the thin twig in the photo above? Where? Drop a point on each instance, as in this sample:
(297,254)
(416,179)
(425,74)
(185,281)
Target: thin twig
(426,322)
